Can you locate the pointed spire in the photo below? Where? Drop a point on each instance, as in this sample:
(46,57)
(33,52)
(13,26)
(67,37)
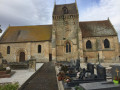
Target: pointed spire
(75,1)
(54,2)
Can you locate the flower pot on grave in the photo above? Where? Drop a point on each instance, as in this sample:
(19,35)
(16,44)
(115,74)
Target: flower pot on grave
(59,78)
(115,81)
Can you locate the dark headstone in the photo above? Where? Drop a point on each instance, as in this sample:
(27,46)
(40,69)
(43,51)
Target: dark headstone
(72,63)
(90,67)
(4,61)
(77,64)
(101,72)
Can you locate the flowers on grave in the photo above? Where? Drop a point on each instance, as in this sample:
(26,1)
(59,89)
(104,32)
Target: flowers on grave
(8,70)
(116,80)
(67,79)
(78,75)
(61,76)
(64,68)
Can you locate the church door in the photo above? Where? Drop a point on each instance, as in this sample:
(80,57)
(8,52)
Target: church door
(22,57)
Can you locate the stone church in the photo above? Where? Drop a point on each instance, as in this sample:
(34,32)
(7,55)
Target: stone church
(66,39)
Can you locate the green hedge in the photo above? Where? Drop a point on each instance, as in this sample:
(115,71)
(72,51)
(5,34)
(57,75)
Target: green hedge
(2,69)
(78,88)
(14,86)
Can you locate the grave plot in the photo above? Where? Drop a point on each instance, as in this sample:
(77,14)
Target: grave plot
(73,75)
(104,85)
(87,76)
(5,70)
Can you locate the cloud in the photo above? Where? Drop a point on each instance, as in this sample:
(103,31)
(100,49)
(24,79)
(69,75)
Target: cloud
(103,10)
(37,12)
(25,12)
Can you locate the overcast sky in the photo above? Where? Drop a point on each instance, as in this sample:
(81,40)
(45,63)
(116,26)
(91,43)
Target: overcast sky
(39,12)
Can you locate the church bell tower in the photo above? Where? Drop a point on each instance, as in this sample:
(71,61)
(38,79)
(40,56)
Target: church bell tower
(66,33)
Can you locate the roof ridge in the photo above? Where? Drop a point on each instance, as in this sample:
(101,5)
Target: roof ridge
(93,21)
(31,25)
(64,4)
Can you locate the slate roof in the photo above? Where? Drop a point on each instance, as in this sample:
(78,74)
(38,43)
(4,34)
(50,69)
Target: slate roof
(27,33)
(97,28)
(44,32)
(72,9)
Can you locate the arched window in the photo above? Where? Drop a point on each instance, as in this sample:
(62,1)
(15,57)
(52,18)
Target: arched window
(39,48)
(106,43)
(88,44)
(8,50)
(68,47)
(65,10)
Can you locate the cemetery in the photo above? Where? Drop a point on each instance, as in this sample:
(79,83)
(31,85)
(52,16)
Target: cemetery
(72,76)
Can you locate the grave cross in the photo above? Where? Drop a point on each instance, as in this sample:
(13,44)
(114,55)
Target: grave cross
(117,71)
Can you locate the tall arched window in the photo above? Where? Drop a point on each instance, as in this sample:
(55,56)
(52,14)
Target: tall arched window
(106,43)
(39,48)
(68,47)
(88,44)
(8,50)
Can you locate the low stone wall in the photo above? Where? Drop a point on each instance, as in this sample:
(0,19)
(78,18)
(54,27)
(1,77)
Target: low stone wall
(32,65)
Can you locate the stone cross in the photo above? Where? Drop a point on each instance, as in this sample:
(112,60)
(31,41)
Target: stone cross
(117,71)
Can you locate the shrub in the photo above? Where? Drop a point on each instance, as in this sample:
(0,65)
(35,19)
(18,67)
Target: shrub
(2,69)
(14,86)
(78,88)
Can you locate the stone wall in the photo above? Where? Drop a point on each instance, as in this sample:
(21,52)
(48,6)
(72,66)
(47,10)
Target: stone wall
(30,49)
(105,54)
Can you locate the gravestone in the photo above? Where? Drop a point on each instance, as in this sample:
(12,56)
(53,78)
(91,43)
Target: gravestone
(77,64)
(72,62)
(101,72)
(32,65)
(115,71)
(4,63)
(90,67)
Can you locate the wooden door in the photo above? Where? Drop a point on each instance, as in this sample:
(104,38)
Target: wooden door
(22,57)
(50,57)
